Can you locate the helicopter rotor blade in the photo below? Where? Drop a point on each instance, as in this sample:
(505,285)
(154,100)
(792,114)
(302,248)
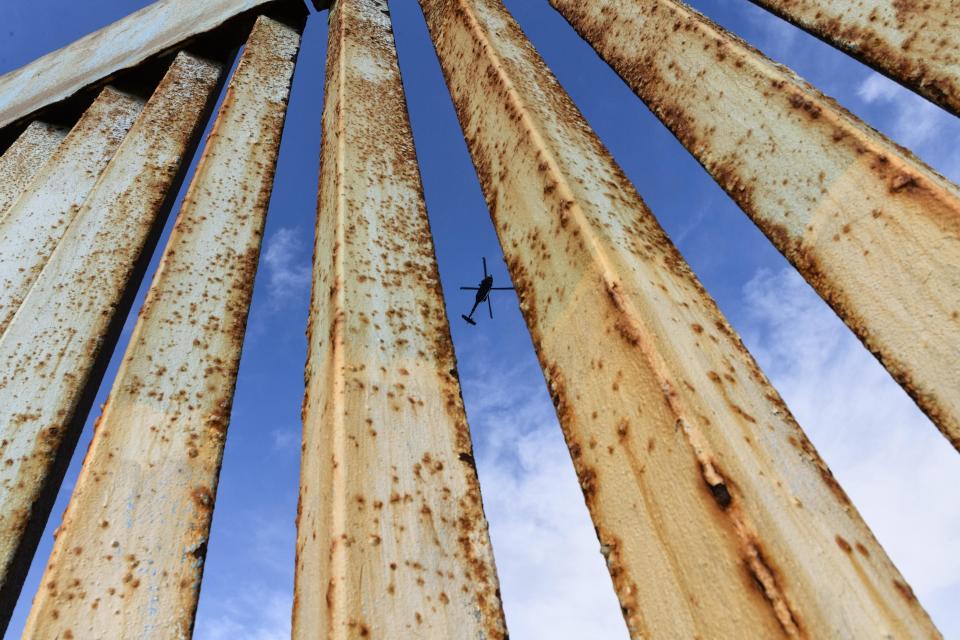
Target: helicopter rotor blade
(469,288)
(490,308)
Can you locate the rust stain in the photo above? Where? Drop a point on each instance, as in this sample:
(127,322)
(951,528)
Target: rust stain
(51,349)
(390,508)
(715,515)
(874,230)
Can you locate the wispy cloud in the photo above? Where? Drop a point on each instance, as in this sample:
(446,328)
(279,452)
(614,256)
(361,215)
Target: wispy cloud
(286,261)
(915,122)
(694,222)
(897,468)
(255,600)
(257,614)
(878,88)
(286,439)
(776,37)
(553,579)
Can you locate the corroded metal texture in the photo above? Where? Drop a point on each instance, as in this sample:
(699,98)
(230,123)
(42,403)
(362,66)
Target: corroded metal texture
(34,225)
(129,555)
(124,44)
(53,352)
(873,229)
(915,42)
(23,160)
(392,538)
(715,514)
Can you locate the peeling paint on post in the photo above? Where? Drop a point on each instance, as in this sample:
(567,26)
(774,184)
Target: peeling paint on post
(915,43)
(23,160)
(392,539)
(874,230)
(53,352)
(129,555)
(715,514)
(34,225)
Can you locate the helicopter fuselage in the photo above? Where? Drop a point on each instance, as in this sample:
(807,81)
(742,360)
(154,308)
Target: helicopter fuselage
(485,286)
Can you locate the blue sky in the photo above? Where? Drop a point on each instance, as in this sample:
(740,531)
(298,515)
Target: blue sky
(899,471)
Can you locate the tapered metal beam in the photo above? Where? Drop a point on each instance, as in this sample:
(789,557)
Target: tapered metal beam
(53,353)
(915,43)
(161,27)
(129,555)
(34,225)
(21,162)
(392,540)
(715,514)
(874,230)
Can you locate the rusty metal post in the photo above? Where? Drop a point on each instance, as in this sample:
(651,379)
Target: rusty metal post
(129,555)
(715,514)
(21,162)
(53,352)
(156,29)
(392,540)
(34,225)
(874,230)
(915,43)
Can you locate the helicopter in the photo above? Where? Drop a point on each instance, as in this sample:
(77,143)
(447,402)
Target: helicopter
(483,293)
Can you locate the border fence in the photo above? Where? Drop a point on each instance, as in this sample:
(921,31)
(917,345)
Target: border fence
(715,514)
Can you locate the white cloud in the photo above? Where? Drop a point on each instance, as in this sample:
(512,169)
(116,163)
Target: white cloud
(878,88)
(286,439)
(775,37)
(552,577)
(252,599)
(914,122)
(694,222)
(256,614)
(897,468)
(286,261)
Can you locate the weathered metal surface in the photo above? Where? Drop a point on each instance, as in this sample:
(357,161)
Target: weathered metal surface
(917,43)
(34,225)
(53,352)
(715,514)
(20,163)
(124,44)
(392,539)
(129,555)
(873,229)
